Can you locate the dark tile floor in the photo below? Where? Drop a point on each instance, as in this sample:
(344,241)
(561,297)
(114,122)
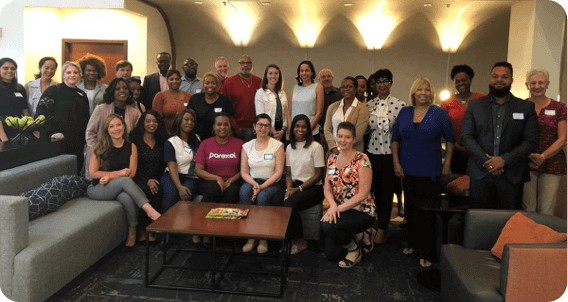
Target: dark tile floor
(386,274)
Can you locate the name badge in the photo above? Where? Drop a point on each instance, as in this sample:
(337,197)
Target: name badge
(185,104)
(218,109)
(331,171)
(551,112)
(268,156)
(197,90)
(18,95)
(518,116)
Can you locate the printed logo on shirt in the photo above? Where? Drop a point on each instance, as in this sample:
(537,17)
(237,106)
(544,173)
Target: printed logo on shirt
(222,156)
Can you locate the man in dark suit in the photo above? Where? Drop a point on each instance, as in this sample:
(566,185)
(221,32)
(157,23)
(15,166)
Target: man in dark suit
(156,82)
(499,131)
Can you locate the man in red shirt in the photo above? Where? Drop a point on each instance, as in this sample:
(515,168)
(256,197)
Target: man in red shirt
(241,89)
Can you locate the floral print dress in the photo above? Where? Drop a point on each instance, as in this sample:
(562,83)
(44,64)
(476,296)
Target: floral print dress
(345,182)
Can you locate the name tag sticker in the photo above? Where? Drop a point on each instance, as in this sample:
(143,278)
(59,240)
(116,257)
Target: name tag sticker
(331,171)
(185,104)
(269,156)
(551,112)
(218,109)
(518,116)
(197,90)
(18,95)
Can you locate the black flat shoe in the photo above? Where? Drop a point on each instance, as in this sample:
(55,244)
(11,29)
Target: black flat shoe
(403,225)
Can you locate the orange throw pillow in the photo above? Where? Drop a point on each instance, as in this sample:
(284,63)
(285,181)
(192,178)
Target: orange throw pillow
(458,185)
(521,229)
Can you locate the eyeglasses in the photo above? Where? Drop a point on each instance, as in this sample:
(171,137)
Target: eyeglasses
(191,64)
(379,83)
(266,126)
(245,63)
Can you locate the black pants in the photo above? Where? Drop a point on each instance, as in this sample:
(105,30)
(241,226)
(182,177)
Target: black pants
(300,201)
(383,187)
(459,161)
(155,201)
(495,192)
(340,234)
(421,193)
(211,191)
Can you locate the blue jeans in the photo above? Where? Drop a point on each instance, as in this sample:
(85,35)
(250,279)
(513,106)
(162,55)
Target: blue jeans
(171,194)
(263,198)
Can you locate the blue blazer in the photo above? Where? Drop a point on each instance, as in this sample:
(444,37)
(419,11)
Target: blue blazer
(519,137)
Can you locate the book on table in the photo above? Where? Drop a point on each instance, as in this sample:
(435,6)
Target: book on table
(227,213)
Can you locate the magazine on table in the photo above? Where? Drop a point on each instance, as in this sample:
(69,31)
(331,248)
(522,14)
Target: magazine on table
(227,213)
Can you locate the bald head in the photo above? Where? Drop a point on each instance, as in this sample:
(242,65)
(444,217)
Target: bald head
(326,78)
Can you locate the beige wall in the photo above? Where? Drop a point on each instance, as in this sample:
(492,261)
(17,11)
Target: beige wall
(64,24)
(414,49)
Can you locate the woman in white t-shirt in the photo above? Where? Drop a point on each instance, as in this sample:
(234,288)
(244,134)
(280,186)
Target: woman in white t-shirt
(262,164)
(304,169)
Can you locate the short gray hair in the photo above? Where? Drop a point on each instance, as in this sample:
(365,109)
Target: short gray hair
(534,71)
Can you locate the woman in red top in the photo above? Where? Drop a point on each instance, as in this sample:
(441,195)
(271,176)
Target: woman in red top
(548,164)
(172,101)
(462,75)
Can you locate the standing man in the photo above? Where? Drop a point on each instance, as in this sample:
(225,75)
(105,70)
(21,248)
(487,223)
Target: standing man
(221,69)
(241,89)
(189,81)
(156,82)
(499,131)
(361,89)
(331,94)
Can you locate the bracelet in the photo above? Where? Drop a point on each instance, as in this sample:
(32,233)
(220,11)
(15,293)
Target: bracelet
(300,187)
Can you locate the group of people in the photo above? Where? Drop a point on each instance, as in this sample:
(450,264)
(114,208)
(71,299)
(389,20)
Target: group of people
(242,139)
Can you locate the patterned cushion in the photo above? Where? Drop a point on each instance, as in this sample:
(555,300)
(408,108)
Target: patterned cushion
(52,194)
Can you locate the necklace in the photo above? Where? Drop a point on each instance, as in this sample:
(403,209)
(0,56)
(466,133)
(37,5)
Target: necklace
(419,114)
(245,82)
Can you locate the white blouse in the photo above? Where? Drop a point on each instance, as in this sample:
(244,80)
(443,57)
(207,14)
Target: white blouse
(383,115)
(262,163)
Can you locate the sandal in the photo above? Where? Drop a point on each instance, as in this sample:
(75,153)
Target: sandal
(408,251)
(349,263)
(367,248)
(298,248)
(425,263)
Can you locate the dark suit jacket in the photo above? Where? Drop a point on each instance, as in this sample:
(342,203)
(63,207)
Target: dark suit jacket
(519,137)
(150,88)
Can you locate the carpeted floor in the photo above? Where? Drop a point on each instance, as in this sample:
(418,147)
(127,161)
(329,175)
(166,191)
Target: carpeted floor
(386,274)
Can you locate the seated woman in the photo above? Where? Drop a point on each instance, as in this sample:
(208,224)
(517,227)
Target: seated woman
(351,210)
(172,101)
(112,169)
(217,163)
(304,169)
(149,136)
(262,164)
(117,100)
(179,151)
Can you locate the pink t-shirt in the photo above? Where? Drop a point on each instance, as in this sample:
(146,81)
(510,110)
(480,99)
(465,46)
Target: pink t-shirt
(221,160)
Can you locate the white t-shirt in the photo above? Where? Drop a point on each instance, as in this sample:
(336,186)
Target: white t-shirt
(262,163)
(304,161)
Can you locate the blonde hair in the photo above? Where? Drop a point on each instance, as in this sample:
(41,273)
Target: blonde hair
(104,144)
(417,83)
(534,71)
(211,74)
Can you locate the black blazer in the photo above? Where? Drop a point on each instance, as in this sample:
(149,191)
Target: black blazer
(519,138)
(150,88)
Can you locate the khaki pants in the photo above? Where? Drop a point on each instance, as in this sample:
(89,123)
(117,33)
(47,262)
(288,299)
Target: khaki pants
(539,195)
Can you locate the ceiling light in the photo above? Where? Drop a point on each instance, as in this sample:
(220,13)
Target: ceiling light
(347,4)
(198,2)
(427,4)
(265,3)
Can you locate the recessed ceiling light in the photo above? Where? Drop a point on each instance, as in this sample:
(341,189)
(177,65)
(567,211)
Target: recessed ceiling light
(266,3)
(427,4)
(198,2)
(347,4)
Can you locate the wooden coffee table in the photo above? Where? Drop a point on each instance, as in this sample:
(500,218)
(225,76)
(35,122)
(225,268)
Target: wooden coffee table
(188,218)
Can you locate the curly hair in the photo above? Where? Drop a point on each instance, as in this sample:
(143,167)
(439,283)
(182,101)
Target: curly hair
(95,61)
(462,68)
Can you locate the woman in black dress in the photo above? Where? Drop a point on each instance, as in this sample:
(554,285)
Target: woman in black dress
(149,136)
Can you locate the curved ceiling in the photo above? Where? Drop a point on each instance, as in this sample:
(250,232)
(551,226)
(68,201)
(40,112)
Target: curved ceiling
(243,21)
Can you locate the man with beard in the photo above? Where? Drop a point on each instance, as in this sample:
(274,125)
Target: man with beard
(189,81)
(241,89)
(499,131)
(156,82)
